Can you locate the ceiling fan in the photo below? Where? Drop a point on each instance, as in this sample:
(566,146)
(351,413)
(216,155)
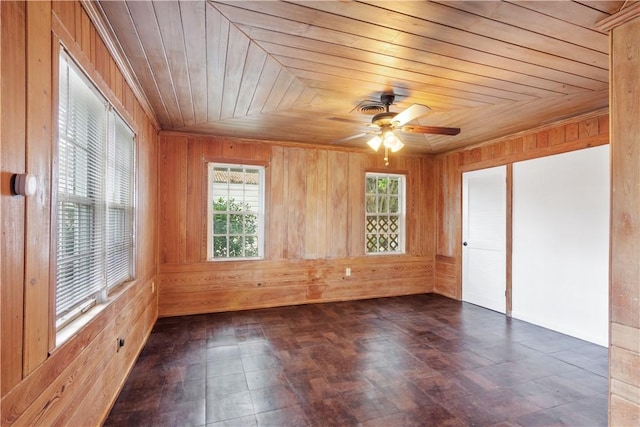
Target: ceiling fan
(387,123)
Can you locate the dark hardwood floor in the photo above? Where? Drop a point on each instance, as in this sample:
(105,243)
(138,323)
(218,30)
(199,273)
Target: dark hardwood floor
(417,360)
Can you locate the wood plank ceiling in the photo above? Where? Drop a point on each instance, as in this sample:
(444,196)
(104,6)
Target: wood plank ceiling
(299,71)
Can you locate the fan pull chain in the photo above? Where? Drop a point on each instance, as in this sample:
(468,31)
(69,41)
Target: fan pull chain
(386,156)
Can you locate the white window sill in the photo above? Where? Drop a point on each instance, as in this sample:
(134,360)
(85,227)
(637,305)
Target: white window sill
(72,329)
(235,259)
(384,253)
(67,332)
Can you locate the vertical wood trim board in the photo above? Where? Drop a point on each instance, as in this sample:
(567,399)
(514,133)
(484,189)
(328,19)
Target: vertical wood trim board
(624,350)
(37,290)
(13,118)
(509,239)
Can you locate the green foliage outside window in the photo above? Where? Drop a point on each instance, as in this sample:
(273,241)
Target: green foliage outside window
(235,230)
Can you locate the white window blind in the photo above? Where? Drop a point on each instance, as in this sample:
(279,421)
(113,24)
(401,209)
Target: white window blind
(119,202)
(94,196)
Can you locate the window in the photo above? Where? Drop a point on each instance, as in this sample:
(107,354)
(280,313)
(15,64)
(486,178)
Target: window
(236,220)
(95,209)
(384,213)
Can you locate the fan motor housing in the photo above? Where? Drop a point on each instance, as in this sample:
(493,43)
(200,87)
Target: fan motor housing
(382,119)
(387,98)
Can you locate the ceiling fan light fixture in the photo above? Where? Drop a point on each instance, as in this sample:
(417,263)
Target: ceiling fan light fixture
(375,142)
(387,122)
(397,146)
(388,138)
(391,141)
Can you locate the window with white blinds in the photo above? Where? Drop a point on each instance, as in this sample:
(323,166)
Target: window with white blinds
(95,209)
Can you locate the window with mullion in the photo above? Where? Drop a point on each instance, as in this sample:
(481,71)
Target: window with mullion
(236,205)
(94,192)
(384,213)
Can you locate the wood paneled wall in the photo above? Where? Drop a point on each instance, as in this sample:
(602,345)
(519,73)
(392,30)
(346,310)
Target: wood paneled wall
(76,382)
(588,131)
(624,347)
(314,228)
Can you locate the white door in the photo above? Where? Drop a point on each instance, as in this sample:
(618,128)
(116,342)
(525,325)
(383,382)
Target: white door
(484,216)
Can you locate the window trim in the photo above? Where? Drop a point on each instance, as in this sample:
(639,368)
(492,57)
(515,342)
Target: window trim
(402,214)
(209,166)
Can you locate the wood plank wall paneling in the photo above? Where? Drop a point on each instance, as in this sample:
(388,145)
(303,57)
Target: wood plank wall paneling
(296,189)
(195,187)
(147,220)
(250,284)
(335,225)
(624,350)
(355,219)
(76,382)
(315,207)
(276,215)
(172,175)
(449,225)
(39,134)
(314,228)
(588,131)
(13,52)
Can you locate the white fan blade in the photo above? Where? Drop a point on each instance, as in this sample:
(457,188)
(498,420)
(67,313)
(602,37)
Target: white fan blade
(411,113)
(349,138)
(375,142)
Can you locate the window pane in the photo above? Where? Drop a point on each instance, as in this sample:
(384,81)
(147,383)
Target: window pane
(393,186)
(220,204)
(236,246)
(372,243)
(235,223)
(251,246)
(382,185)
(393,242)
(220,246)
(371,186)
(383,204)
(220,223)
(382,243)
(251,224)
(383,223)
(393,204)
(220,176)
(370,202)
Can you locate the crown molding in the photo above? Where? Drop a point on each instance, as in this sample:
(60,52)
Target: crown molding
(622,16)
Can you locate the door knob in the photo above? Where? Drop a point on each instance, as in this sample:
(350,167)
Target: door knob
(464,243)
